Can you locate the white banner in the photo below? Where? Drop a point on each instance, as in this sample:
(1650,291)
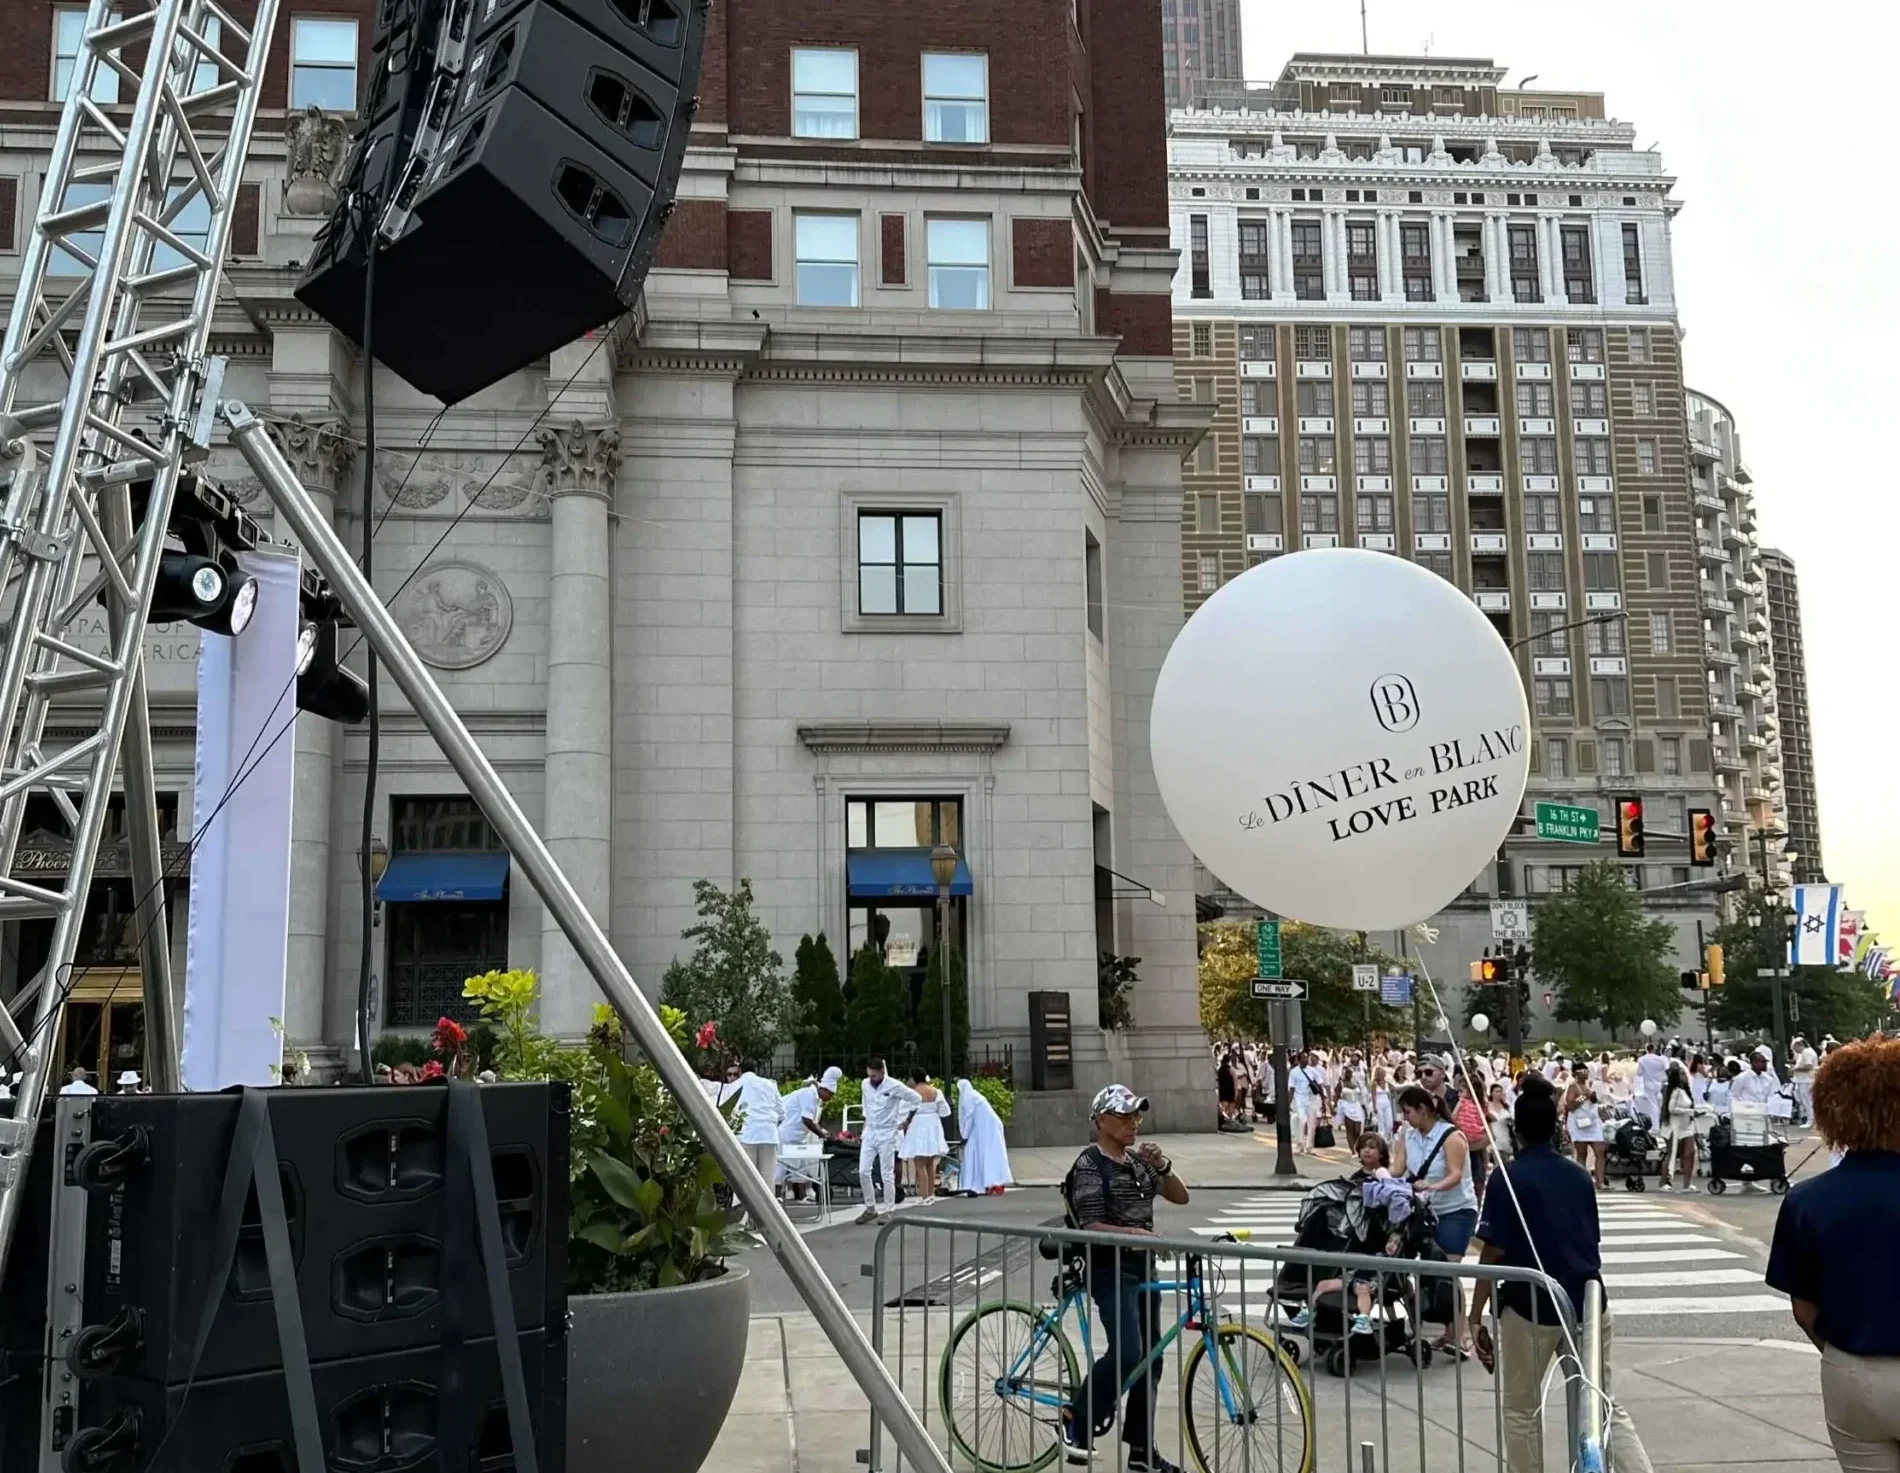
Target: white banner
(240,869)
(1817,926)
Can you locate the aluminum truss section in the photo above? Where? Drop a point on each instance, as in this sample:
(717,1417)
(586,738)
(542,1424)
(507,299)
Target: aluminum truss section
(104,358)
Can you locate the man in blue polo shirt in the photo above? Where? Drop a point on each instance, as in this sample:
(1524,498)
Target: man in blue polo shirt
(1541,1214)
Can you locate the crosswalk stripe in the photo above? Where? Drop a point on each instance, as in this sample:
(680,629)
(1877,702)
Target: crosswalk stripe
(1678,1255)
(1684,1277)
(1645,1240)
(1712,1304)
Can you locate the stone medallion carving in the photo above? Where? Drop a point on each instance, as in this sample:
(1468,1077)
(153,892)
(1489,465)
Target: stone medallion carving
(456,614)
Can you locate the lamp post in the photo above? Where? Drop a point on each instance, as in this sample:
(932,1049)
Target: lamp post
(943,869)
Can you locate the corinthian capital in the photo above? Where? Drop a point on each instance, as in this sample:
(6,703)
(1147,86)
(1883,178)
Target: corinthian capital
(580,460)
(317,452)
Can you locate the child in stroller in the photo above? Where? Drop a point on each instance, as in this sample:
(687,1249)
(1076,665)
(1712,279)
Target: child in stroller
(1369,1213)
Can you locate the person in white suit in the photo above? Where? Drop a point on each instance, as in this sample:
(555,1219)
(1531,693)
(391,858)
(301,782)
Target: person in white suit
(887,1104)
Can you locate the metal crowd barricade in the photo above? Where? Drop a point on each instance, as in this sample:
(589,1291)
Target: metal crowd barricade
(989,1327)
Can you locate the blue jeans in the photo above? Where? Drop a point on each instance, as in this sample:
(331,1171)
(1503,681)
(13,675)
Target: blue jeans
(1455,1230)
(1131,1321)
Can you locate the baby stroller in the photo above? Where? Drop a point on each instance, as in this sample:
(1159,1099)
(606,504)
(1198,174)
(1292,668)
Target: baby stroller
(1745,1149)
(1633,1150)
(1334,1218)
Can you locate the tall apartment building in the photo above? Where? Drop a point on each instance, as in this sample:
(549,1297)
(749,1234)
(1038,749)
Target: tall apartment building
(1437,319)
(1743,705)
(860,536)
(1200,44)
(1791,701)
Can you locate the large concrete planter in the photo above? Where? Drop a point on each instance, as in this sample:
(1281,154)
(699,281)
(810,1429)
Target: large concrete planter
(650,1377)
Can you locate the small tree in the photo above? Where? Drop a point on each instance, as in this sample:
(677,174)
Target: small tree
(878,1016)
(817,1001)
(1606,960)
(929,1031)
(734,978)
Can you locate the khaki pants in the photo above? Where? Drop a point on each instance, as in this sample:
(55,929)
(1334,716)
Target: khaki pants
(1524,1352)
(1861,1395)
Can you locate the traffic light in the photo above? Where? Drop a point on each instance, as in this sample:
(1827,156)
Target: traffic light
(1629,828)
(1713,961)
(1491,970)
(1701,837)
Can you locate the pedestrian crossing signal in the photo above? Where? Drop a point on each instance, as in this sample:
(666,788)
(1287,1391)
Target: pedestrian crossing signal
(1701,838)
(1629,828)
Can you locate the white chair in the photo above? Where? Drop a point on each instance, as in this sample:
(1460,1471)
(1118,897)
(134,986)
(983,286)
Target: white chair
(808,1164)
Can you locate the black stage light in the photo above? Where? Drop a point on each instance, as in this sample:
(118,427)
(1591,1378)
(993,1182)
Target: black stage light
(325,686)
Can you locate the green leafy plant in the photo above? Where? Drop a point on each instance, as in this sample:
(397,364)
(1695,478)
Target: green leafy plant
(1115,978)
(998,1092)
(1847,1004)
(644,1208)
(734,978)
(930,1009)
(1332,1012)
(817,1000)
(878,1015)
(1607,961)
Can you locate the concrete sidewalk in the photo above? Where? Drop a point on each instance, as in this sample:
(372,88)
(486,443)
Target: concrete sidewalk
(1701,1405)
(1206,1161)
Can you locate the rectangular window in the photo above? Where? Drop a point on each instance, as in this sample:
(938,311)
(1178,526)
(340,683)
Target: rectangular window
(1313,343)
(1523,260)
(1610,755)
(956,97)
(1668,705)
(1207,512)
(322,64)
(1530,345)
(824,93)
(1365,344)
(1550,696)
(1255,282)
(1201,336)
(1415,259)
(1603,636)
(1642,401)
(1659,634)
(1536,399)
(1317,455)
(1428,456)
(1258,398)
(1372,456)
(1092,581)
(1658,569)
(958,252)
(1205,453)
(1546,571)
(900,563)
(1538,455)
(1362,260)
(1584,344)
(1589,401)
(826,248)
(1262,512)
(1579,280)
(1593,457)
(1258,342)
(1633,266)
(1596,514)
(192,224)
(1599,573)
(1431,514)
(1436,562)
(1646,457)
(1319,514)
(1259,455)
(1639,345)
(1425,398)
(1374,513)
(1610,696)
(1423,345)
(1309,271)
(902,823)
(69,29)
(1199,267)
(1547,636)
(1371,398)
(1670,750)
(1556,757)
(1208,572)
(1313,397)
(1543,513)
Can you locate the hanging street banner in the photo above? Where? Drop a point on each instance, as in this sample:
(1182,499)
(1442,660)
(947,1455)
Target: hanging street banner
(1566,823)
(1266,940)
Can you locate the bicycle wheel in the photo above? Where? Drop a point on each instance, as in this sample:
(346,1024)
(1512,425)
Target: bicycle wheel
(1246,1408)
(1008,1370)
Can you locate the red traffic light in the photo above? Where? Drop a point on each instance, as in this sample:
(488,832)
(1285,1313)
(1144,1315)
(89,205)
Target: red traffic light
(1629,828)
(1701,838)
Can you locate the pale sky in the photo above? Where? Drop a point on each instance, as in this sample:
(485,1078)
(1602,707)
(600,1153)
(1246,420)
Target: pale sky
(1781,140)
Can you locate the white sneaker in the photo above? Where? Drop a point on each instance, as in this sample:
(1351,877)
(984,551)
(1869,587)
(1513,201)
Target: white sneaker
(1665,1187)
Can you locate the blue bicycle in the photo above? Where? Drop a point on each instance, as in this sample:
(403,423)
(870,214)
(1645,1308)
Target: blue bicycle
(1010,1368)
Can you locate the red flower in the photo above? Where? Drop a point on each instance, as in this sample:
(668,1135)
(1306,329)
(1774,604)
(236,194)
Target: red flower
(449,1035)
(708,1035)
(433,1070)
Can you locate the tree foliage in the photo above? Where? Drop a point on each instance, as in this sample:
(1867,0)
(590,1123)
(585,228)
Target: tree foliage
(929,1031)
(817,1001)
(1606,960)
(1846,1004)
(877,1017)
(734,978)
(1332,1013)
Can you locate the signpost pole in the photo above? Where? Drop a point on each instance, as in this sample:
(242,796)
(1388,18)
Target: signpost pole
(1282,1098)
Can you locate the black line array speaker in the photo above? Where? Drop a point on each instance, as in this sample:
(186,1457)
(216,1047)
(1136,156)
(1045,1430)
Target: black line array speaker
(381,1229)
(517,160)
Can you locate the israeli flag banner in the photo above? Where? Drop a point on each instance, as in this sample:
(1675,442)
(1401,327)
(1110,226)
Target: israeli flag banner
(1817,926)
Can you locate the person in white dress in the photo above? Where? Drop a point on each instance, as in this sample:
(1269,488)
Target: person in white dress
(1382,1101)
(923,1144)
(985,1166)
(887,1103)
(1583,1118)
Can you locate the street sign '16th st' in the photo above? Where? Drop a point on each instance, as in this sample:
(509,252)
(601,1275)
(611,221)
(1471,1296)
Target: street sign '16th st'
(1566,823)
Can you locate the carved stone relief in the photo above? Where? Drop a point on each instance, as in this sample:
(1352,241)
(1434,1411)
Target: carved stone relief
(456,614)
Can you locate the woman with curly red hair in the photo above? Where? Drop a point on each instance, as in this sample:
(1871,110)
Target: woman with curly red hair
(1833,1253)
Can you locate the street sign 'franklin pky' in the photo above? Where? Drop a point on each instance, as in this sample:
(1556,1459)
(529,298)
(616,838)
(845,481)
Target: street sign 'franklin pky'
(1566,823)
(1269,989)
(1267,949)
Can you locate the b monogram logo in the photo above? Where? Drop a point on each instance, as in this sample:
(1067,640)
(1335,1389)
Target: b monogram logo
(1395,703)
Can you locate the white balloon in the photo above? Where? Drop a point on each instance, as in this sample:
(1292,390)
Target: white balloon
(1649,1028)
(1342,737)
(1480,1023)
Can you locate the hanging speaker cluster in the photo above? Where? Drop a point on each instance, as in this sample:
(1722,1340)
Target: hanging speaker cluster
(515,162)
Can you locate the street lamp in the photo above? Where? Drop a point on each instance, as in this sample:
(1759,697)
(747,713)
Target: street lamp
(943,869)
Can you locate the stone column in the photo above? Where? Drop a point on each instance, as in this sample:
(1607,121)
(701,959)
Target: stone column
(579,464)
(1444,268)
(1282,256)
(1391,263)
(1549,267)
(1335,239)
(1497,268)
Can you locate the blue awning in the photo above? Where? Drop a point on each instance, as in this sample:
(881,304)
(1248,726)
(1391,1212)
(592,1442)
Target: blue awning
(880,874)
(444,877)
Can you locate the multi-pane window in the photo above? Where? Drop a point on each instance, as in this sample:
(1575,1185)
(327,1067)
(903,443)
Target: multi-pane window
(1589,401)
(1633,264)
(900,562)
(1657,569)
(1603,636)
(1556,757)
(1309,271)
(1371,398)
(1319,514)
(1646,456)
(1538,454)
(69,29)
(826,248)
(1639,345)
(1365,344)
(1255,282)
(1310,343)
(1668,702)
(322,64)
(1317,455)
(1584,344)
(1545,571)
(1659,638)
(1579,280)
(958,252)
(1436,562)
(1372,455)
(1676,806)
(1201,341)
(1599,572)
(1199,267)
(1642,401)
(1258,397)
(1262,511)
(1596,514)
(1669,752)
(1543,513)
(1537,399)
(1313,397)
(1610,755)
(1415,257)
(1207,572)
(824,93)
(1431,513)
(1652,514)
(1362,260)
(956,97)
(1530,345)
(1610,696)
(1522,241)
(1547,638)
(1374,513)
(1423,345)
(1259,455)
(1425,398)
(192,224)
(1428,456)
(1593,457)
(1550,696)
(1257,341)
